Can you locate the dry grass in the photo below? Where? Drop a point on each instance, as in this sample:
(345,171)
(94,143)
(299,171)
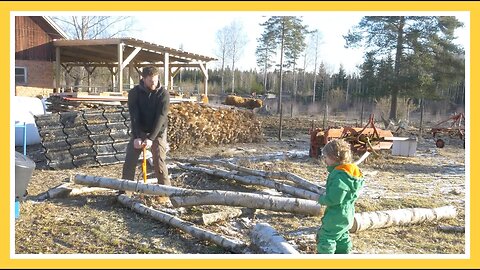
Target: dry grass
(98,224)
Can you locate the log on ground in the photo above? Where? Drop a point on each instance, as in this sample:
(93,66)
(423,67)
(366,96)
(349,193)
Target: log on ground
(408,216)
(267,239)
(189,197)
(233,245)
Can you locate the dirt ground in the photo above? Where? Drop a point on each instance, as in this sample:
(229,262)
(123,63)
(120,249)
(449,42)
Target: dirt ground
(98,224)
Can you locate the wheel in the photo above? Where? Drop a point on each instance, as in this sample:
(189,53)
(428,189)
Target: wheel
(440,143)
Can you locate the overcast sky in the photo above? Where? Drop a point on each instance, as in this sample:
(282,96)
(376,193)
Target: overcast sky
(196,31)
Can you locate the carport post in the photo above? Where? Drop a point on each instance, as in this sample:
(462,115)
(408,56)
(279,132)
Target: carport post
(57,69)
(120,69)
(166,69)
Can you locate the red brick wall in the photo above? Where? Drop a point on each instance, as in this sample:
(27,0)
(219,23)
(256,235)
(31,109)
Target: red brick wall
(39,73)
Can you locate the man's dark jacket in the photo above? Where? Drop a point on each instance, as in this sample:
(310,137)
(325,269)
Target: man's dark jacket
(148,111)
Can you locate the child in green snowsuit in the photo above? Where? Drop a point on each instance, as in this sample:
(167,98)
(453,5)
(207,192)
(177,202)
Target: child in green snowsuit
(343,184)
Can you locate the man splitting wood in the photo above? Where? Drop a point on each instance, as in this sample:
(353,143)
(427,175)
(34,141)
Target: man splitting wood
(148,104)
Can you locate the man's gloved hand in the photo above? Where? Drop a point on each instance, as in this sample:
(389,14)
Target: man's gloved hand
(148,143)
(138,143)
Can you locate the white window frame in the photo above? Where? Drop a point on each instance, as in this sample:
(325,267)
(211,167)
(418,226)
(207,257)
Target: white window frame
(18,76)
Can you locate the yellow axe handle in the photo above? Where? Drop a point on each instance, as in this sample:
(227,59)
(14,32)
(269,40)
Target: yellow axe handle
(144,165)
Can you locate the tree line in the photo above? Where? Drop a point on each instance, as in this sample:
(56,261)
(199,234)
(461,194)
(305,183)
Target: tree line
(406,58)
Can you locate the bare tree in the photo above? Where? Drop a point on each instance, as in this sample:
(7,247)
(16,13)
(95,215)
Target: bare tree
(221,52)
(93,27)
(315,41)
(237,41)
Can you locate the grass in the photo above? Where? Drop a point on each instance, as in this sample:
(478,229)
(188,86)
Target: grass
(97,224)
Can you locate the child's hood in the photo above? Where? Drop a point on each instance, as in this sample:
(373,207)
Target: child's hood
(350,175)
(351,169)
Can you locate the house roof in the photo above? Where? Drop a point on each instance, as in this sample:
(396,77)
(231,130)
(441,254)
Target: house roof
(50,27)
(104,52)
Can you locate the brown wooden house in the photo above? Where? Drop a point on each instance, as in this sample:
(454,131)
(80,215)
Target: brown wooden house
(43,54)
(35,55)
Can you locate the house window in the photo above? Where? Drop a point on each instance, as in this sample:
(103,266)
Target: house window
(20,75)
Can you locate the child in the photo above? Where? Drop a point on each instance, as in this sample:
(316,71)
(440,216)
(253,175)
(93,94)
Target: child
(343,184)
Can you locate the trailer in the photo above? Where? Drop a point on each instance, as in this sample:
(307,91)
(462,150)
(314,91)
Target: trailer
(455,129)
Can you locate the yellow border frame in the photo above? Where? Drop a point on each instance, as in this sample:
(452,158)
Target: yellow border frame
(6,205)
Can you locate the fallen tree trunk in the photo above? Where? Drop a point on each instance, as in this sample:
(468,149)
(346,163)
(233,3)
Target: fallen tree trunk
(189,197)
(255,180)
(223,215)
(250,200)
(267,239)
(134,186)
(279,175)
(234,245)
(383,219)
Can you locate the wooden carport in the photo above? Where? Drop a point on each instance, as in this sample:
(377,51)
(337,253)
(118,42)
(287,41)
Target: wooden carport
(118,53)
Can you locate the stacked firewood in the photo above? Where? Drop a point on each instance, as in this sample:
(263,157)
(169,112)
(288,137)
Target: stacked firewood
(84,138)
(92,137)
(249,103)
(192,124)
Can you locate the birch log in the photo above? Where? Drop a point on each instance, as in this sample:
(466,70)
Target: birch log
(223,215)
(255,180)
(189,197)
(267,239)
(304,183)
(250,200)
(383,219)
(234,245)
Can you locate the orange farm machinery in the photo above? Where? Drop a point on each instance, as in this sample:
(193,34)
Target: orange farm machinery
(456,128)
(368,138)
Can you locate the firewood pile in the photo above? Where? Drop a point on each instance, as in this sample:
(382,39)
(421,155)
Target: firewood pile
(192,124)
(94,137)
(249,103)
(59,104)
(88,137)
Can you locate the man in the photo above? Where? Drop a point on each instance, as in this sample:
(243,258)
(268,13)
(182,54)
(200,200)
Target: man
(148,104)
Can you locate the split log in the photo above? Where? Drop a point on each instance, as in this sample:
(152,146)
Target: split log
(61,190)
(65,190)
(383,219)
(456,229)
(224,215)
(362,158)
(234,245)
(267,239)
(206,197)
(254,180)
(304,183)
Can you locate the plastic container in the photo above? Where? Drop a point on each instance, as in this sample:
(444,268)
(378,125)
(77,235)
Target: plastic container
(403,146)
(24,167)
(17,209)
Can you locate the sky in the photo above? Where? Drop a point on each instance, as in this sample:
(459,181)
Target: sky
(196,32)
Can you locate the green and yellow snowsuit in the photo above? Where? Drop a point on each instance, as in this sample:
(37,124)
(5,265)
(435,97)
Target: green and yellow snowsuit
(343,184)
